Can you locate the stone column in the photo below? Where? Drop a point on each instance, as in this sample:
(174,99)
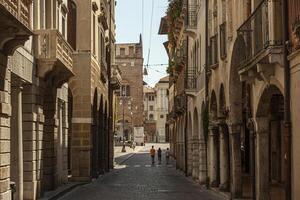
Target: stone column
(65,127)
(262,157)
(224,157)
(202,162)
(235,160)
(213,145)
(5,114)
(59,147)
(195,152)
(189,156)
(17,136)
(30,141)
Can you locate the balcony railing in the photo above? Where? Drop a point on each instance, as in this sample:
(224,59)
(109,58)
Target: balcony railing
(20,9)
(191,18)
(51,47)
(259,31)
(191,81)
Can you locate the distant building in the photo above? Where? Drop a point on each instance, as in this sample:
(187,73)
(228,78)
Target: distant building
(149,114)
(129,113)
(161,111)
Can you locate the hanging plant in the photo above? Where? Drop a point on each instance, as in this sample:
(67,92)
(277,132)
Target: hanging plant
(173,13)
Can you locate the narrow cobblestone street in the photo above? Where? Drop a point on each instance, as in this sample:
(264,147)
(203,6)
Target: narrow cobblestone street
(136,179)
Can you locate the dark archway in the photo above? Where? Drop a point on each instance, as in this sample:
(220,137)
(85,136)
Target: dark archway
(94,136)
(106,139)
(236,115)
(224,143)
(203,144)
(270,144)
(101,134)
(70,130)
(214,142)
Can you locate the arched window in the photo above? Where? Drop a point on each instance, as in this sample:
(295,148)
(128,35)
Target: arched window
(151,117)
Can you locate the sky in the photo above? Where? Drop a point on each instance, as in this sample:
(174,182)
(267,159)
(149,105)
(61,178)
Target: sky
(131,22)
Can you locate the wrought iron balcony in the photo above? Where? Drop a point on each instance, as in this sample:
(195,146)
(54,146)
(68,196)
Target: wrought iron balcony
(54,54)
(262,34)
(14,24)
(116,79)
(191,81)
(191,19)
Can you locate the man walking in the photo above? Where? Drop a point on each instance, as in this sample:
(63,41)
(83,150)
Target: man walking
(167,156)
(159,155)
(152,154)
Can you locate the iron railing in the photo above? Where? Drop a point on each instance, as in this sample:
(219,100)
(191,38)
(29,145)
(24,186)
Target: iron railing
(192,16)
(256,30)
(191,81)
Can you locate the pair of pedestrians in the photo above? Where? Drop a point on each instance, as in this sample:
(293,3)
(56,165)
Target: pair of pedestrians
(159,153)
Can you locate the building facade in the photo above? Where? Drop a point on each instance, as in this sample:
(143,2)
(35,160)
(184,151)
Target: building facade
(234,128)
(129,59)
(161,108)
(43,99)
(149,114)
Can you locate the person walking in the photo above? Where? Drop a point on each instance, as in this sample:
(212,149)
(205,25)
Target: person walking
(159,155)
(167,156)
(152,154)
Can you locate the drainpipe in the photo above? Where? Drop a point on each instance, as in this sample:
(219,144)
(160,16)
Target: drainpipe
(206,80)
(186,112)
(110,94)
(287,96)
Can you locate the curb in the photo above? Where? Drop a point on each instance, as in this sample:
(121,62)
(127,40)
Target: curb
(62,193)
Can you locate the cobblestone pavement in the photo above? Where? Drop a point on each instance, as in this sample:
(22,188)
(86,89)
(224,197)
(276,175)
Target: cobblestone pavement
(137,179)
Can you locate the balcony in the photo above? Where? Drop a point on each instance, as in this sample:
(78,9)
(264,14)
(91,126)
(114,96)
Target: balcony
(103,14)
(14,24)
(262,35)
(116,79)
(180,104)
(191,20)
(54,55)
(191,81)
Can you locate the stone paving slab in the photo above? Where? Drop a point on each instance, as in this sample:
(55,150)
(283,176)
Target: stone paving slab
(137,179)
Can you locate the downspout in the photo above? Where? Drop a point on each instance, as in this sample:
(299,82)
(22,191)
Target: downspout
(206,83)
(186,111)
(110,96)
(287,96)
